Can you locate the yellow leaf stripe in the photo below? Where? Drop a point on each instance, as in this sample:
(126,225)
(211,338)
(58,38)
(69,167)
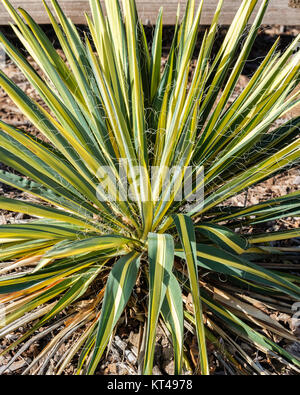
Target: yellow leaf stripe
(186,231)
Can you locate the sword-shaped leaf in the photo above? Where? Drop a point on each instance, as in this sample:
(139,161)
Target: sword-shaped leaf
(119,287)
(185,228)
(172,311)
(161,259)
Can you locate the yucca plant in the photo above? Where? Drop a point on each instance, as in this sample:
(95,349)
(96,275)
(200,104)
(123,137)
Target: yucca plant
(90,242)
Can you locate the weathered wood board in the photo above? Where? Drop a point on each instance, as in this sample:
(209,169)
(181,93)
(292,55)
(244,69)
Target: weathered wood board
(279,11)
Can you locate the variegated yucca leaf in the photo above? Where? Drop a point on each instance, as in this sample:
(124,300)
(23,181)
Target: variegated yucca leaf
(187,235)
(172,312)
(119,287)
(161,258)
(95,247)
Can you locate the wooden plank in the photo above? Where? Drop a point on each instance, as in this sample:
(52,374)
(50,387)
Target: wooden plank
(278,13)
